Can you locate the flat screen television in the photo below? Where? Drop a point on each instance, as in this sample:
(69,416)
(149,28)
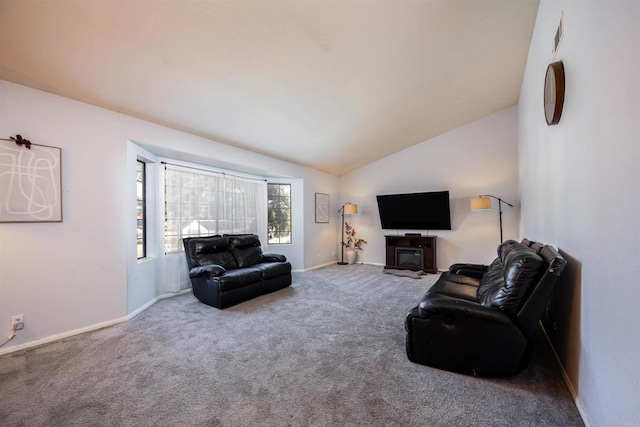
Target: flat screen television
(415,211)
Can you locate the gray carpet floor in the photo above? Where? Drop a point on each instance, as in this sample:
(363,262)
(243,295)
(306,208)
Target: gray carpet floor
(328,351)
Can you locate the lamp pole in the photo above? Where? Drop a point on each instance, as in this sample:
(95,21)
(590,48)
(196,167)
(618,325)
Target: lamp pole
(342,239)
(500,201)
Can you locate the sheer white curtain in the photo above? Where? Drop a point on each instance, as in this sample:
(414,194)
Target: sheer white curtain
(202,203)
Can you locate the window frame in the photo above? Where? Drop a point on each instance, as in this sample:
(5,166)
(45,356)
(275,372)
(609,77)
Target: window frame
(143,201)
(290,213)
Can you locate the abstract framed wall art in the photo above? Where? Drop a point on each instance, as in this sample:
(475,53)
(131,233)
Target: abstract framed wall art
(322,207)
(30,182)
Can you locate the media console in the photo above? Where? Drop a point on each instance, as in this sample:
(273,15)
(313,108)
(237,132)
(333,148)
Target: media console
(411,252)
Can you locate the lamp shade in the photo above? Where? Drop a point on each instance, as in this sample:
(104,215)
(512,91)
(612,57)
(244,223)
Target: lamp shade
(350,209)
(480,203)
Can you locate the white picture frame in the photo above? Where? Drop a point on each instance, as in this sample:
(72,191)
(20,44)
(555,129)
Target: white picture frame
(322,208)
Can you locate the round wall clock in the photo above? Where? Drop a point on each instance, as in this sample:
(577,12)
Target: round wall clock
(554,92)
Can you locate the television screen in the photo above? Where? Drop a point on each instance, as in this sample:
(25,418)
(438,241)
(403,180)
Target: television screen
(415,211)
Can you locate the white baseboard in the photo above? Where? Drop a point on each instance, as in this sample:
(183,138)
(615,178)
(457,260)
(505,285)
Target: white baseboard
(175,294)
(57,337)
(373,263)
(142,308)
(314,267)
(567,381)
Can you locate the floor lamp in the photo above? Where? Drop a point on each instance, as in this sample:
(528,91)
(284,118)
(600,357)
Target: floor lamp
(484,202)
(348,209)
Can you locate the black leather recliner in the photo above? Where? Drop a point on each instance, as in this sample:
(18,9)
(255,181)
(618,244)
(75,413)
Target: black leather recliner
(479,319)
(227,270)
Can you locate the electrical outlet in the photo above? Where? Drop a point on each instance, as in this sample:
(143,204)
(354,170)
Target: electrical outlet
(17,322)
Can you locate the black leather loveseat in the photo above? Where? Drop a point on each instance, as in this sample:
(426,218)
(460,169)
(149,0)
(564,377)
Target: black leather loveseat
(480,320)
(227,270)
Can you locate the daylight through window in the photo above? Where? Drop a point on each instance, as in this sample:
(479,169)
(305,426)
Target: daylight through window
(141,215)
(204,203)
(279,213)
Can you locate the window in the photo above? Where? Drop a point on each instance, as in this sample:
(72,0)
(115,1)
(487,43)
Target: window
(141,214)
(203,203)
(279,213)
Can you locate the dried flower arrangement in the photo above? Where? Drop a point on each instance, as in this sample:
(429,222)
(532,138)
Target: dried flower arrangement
(351,242)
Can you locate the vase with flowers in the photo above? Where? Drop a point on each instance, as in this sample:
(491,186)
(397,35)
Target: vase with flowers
(352,243)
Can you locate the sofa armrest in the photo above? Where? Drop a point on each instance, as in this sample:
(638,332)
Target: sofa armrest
(476,274)
(273,258)
(470,270)
(452,307)
(468,266)
(210,270)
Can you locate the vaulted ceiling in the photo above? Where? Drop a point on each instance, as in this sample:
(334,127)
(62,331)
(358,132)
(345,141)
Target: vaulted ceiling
(332,85)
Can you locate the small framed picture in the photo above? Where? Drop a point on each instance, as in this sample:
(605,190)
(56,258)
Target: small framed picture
(322,207)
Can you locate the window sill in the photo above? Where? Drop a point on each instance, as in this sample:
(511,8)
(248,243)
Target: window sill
(146,260)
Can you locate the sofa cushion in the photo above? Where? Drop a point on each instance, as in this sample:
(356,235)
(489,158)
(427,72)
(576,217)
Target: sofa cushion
(209,250)
(236,279)
(491,282)
(507,246)
(523,268)
(246,250)
(270,270)
(455,285)
(509,279)
(536,247)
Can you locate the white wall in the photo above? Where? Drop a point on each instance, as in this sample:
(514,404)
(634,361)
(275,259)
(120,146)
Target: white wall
(145,278)
(66,276)
(478,158)
(580,191)
(320,238)
(69,276)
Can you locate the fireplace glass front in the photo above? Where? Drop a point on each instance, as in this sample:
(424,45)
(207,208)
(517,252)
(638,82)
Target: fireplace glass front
(409,258)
